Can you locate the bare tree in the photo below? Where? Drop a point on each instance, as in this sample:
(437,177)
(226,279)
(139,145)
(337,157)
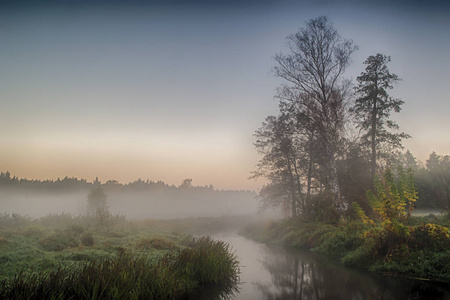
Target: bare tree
(313,71)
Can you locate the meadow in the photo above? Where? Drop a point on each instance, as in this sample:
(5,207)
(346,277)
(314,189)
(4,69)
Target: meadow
(102,256)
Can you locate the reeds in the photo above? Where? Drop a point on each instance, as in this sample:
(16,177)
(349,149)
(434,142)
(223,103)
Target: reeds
(186,274)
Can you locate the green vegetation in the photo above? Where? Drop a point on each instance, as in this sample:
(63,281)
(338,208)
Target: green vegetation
(336,184)
(391,241)
(107,257)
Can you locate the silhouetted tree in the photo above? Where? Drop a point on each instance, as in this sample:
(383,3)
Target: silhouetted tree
(312,71)
(410,162)
(276,141)
(374,107)
(97,199)
(305,134)
(186,183)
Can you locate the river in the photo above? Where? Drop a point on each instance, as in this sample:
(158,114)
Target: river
(269,272)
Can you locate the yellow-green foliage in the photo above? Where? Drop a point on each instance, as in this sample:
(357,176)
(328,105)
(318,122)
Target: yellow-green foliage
(431,236)
(361,214)
(393,198)
(393,202)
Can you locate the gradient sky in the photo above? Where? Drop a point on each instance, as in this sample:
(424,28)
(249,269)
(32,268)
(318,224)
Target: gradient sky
(176,90)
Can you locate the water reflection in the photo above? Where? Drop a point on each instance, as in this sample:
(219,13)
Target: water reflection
(304,276)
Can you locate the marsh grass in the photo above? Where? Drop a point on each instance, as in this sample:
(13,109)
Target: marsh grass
(67,257)
(158,242)
(178,275)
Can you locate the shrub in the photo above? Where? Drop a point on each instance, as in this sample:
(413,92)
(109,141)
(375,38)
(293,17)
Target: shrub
(393,202)
(362,256)
(74,230)
(430,236)
(32,230)
(339,242)
(58,242)
(423,264)
(87,239)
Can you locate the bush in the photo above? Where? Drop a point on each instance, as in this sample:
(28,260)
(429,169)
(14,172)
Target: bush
(430,236)
(87,239)
(423,264)
(32,230)
(362,256)
(338,243)
(58,242)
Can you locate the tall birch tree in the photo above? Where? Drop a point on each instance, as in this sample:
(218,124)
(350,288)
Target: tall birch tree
(313,70)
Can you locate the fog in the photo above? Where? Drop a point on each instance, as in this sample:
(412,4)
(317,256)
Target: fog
(39,204)
(167,203)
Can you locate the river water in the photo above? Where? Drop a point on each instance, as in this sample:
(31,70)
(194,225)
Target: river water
(269,272)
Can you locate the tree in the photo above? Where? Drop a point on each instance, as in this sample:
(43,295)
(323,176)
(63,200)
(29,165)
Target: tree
(439,170)
(312,71)
(186,183)
(410,161)
(97,199)
(275,140)
(374,106)
(305,134)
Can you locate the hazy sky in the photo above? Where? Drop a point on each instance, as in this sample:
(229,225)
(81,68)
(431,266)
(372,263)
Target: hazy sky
(176,90)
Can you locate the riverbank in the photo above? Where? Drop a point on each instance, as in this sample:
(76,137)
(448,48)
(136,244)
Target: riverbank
(109,257)
(422,252)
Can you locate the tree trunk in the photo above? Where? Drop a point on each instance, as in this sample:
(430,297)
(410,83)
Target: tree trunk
(373,141)
(334,186)
(299,188)
(310,165)
(292,184)
(333,181)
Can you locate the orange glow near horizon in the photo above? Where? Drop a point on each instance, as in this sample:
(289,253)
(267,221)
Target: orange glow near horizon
(215,162)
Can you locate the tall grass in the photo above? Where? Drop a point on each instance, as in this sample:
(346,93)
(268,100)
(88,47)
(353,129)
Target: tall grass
(186,274)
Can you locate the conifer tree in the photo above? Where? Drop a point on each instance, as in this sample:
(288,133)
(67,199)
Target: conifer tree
(374,106)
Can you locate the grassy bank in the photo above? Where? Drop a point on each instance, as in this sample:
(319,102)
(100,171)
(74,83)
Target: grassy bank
(422,252)
(108,257)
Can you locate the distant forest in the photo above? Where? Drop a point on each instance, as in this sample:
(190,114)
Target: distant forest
(74,184)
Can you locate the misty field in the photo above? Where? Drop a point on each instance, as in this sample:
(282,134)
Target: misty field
(105,256)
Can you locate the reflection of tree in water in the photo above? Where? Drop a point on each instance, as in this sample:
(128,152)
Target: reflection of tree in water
(302,277)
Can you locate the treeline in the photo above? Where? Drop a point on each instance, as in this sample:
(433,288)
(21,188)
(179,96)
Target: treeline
(68,184)
(432,181)
(431,178)
(332,137)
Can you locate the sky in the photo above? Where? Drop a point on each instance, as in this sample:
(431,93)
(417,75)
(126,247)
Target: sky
(169,90)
